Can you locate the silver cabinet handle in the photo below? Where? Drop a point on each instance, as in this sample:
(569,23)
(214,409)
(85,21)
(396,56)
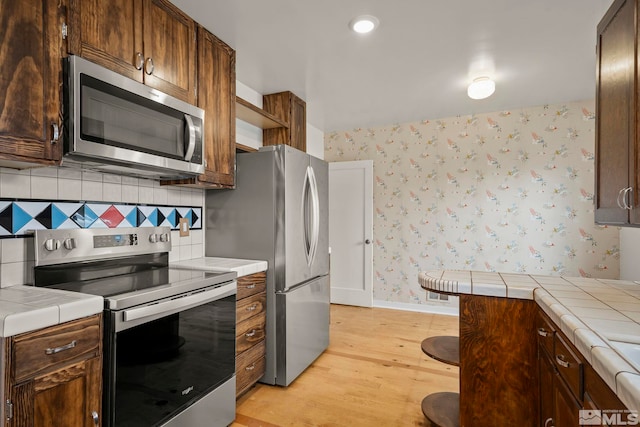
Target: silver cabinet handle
(542,332)
(55,350)
(618,198)
(95,418)
(148,66)
(562,361)
(622,198)
(139,61)
(251,286)
(547,421)
(252,307)
(55,134)
(250,368)
(250,334)
(625,198)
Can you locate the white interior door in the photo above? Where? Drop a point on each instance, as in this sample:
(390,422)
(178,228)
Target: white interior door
(351,232)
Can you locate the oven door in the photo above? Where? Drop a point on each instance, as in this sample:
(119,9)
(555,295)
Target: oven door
(163,357)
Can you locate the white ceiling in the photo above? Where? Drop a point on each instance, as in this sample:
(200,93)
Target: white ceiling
(418,62)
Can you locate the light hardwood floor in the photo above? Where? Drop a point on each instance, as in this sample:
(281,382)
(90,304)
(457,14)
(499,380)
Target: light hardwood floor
(373,374)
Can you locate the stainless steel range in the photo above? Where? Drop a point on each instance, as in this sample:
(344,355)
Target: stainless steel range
(169,335)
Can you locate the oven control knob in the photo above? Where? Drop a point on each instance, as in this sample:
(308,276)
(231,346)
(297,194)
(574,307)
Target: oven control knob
(52,244)
(164,237)
(69,243)
(153,238)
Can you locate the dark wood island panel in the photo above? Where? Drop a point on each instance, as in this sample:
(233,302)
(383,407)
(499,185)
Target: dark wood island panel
(498,362)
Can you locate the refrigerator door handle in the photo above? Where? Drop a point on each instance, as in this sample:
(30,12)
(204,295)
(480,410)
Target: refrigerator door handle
(311,215)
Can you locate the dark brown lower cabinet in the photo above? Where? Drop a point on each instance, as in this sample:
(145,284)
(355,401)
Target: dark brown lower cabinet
(568,383)
(53,376)
(250,330)
(566,407)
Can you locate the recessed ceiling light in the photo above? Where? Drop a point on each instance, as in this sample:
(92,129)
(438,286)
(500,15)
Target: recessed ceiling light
(481,87)
(364,24)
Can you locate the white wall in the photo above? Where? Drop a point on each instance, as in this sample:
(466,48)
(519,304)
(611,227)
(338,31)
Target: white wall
(315,141)
(629,253)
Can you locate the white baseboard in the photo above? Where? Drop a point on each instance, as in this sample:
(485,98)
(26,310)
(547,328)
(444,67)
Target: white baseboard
(422,308)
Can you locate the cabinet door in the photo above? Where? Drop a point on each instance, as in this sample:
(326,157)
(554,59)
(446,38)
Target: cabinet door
(567,409)
(298,123)
(547,414)
(615,120)
(69,397)
(169,50)
(30,66)
(291,109)
(217,97)
(109,33)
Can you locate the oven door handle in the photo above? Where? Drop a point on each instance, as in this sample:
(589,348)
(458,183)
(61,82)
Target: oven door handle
(179,303)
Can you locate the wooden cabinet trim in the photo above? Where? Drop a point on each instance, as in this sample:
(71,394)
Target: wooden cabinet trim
(247,112)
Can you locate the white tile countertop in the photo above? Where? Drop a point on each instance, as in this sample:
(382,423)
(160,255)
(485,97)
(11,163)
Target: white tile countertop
(27,308)
(594,314)
(243,267)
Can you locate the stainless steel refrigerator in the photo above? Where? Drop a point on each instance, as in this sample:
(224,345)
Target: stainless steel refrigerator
(279,213)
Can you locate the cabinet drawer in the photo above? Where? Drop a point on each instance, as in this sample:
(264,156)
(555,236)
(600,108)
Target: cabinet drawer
(249,332)
(251,285)
(249,367)
(47,349)
(569,366)
(545,332)
(249,307)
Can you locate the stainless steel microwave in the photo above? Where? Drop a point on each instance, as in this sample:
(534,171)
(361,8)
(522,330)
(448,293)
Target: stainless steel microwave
(115,124)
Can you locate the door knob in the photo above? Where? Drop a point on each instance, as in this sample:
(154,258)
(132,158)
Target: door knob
(367,242)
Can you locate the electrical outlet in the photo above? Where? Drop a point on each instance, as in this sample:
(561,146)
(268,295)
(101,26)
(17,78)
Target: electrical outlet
(184,227)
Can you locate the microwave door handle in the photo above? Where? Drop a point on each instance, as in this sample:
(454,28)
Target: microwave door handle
(191,141)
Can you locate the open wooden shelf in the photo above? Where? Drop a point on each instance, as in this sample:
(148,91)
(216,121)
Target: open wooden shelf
(444,349)
(249,113)
(442,409)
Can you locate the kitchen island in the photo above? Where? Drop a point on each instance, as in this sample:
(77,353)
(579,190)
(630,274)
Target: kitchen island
(501,320)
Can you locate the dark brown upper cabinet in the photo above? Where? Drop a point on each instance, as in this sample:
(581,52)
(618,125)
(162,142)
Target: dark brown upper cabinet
(617,152)
(30,93)
(291,109)
(150,41)
(217,97)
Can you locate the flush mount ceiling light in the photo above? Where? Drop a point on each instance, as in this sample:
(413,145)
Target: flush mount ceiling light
(481,87)
(364,24)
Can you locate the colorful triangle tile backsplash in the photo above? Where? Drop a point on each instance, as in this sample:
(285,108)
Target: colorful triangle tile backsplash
(18,217)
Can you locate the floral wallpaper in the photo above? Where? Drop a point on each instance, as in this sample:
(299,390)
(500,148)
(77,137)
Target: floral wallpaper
(510,191)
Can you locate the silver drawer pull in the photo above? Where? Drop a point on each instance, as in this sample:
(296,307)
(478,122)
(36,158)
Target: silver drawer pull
(561,361)
(252,307)
(252,286)
(250,334)
(250,368)
(95,418)
(69,346)
(542,332)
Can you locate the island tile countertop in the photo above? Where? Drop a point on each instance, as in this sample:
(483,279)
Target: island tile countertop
(27,308)
(595,314)
(243,267)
